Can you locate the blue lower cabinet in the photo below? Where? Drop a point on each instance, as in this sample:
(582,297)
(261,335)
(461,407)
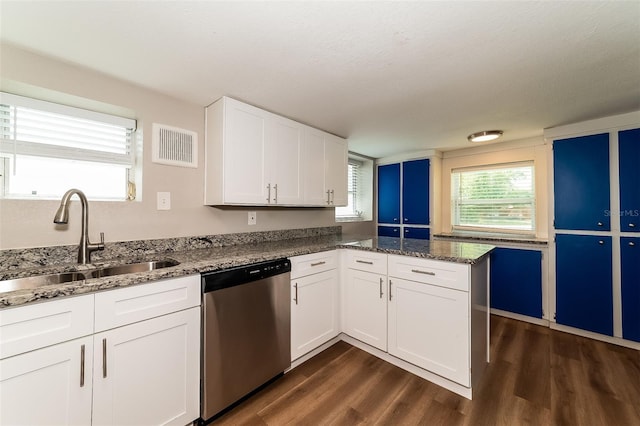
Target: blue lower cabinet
(630,258)
(516,281)
(584,297)
(389,231)
(418,233)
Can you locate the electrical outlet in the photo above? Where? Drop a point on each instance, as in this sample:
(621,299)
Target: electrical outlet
(252,218)
(164,201)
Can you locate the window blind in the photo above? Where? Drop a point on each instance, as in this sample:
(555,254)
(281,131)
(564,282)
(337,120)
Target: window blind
(500,198)
(353,176)
(44,129)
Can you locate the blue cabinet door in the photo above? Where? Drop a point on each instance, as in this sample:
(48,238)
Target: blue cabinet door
(415,192)
(417,233)
(630,259)
(389,231)
(516,281)
(629,149)
(584,296)
(389,193)
(581,183)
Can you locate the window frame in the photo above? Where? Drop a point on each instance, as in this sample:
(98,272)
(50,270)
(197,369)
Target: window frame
(495,230)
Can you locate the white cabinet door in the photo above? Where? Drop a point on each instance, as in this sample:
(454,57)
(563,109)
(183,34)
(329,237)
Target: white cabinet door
(314,311)
(429,327)
(148,372)
(336,160)
(244,154)
(314,168)
(366,307)
(283,144)
(49,386)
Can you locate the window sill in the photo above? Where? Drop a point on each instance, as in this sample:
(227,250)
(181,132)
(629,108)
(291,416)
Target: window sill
(352,219)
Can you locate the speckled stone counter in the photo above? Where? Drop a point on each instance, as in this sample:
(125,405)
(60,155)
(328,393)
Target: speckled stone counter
(199,260)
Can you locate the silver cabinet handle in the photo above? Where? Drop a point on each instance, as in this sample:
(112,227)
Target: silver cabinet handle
(632,225)
(631,243)
(269,193)
(328,197)
(390,296)
(275,188)
(395,219)
(104,358)
(601,242)
(322,262)
(381,288)
(364,261)
(295,298)
(599,223)
(418,271)
(82,366)
(332,197)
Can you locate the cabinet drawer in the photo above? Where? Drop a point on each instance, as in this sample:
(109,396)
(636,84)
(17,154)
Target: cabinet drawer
(443,274)
(128,305)
(313,263)
(367,261)
(26,328)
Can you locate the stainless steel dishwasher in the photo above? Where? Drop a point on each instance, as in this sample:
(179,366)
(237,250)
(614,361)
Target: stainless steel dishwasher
(246,332)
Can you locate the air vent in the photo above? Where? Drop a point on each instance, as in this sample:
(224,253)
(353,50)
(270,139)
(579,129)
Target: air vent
(174,146)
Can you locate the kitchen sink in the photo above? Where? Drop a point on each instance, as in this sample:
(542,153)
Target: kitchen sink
(132,268)
(65,277)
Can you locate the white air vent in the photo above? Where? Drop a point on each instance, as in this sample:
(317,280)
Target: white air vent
(174,147)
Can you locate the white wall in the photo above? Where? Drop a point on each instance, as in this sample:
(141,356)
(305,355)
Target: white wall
(30,223)
(533,149)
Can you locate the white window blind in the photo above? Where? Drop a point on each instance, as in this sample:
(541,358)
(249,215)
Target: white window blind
(54,147)
(353,175)
(499,198)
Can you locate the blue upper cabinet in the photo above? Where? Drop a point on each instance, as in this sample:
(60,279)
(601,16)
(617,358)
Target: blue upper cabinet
(389,231)
(584,291)
(630,259)
(516,281)
(389,193)
(629,148)
(415,192)
(581,183)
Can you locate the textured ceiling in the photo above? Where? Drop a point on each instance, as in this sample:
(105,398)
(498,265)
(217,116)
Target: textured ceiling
(391,76)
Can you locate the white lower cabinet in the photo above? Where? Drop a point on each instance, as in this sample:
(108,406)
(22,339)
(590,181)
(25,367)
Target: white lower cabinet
(142,366)
(366,307)
(429,327)
(49,386)
(315,316)
(148,372)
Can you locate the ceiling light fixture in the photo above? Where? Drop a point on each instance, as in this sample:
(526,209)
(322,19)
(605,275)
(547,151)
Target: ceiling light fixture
(485,136)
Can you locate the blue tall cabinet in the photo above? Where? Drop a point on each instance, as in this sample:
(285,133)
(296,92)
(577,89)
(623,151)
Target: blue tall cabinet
(403,199)
(587,226)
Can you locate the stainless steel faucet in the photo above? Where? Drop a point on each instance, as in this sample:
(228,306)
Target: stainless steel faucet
(62,217)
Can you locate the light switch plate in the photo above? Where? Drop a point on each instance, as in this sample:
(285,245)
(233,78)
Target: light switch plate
(164,201)
(252,218)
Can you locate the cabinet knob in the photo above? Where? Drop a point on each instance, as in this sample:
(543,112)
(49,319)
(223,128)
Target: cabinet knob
(631,243)
(406,220)
(632,225)
(599,223)
(395,219)
(601,242)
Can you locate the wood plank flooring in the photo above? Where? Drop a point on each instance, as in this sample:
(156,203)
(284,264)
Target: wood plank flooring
(537,376)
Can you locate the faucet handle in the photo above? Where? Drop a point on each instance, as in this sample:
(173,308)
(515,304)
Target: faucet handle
(102,238)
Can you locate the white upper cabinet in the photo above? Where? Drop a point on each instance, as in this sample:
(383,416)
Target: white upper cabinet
(325,169)
(254,157)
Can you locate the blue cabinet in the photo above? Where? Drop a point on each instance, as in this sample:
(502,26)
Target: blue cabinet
(584,296)
(516,281)
(581,183)
(630,266)
(389,231)
(629,149)
(415,192)
(389,193)
(417,233)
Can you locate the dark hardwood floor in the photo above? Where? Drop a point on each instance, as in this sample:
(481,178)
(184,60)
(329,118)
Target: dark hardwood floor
(537,377)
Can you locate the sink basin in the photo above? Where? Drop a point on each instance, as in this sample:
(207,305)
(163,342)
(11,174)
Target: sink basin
(132,268)
(65,277)
(40,280)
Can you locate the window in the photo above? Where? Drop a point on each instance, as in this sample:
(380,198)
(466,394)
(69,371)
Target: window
(499,198)
(47,148)
(359,190)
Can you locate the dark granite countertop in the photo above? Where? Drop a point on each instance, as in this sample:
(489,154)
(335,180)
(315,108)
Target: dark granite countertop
(199,260)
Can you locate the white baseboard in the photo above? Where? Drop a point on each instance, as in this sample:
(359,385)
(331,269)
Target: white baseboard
(520,317)
(596,336)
